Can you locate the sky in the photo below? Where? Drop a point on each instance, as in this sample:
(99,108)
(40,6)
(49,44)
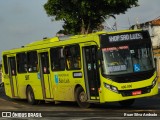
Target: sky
(25,21)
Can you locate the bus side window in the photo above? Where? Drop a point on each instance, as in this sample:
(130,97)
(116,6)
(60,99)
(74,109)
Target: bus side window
(73,59)
(32,61)
(13,66)
(21,62)
(57,59)
(5,64)
(45,62)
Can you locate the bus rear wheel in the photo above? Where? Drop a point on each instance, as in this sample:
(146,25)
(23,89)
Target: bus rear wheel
(126,103)
(81,98)
(30,96)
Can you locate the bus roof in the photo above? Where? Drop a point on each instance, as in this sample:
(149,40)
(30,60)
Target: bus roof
(70,38)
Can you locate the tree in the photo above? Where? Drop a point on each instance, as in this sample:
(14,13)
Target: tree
(84,16)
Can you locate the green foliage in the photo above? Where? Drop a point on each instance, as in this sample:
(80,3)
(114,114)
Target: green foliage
(83,16)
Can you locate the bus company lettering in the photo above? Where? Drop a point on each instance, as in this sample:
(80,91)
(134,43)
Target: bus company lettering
(64,80)
(125,37)
(63,75)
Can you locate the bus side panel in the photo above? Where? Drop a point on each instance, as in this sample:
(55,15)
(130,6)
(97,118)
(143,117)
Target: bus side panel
(5,76)
(7,86)
(35,82)
(64,82)
(22,84)
(63,86)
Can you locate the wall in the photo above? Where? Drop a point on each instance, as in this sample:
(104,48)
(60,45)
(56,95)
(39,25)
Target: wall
(155,36)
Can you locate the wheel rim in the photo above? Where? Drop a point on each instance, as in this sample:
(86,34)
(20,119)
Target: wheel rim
(83,97)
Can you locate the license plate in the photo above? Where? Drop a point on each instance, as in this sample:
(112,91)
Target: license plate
(138,92)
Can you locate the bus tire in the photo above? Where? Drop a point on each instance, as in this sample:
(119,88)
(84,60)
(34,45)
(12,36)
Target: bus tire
(126,103)
(81,98)
(30,96)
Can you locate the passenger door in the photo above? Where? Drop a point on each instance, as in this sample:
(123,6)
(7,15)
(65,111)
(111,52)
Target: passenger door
(13,76)
(45,74)
(91,71)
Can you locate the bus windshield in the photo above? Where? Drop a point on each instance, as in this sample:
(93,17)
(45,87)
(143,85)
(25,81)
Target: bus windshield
(127,59)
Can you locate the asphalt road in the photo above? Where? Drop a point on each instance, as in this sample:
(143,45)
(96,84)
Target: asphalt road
(144,108)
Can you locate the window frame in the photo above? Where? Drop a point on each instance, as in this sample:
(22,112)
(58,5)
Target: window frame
(23,63)
(61,58)
(30,61)
(75,55)
(5,64)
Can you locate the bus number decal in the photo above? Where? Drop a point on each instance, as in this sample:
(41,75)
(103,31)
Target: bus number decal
(89,67)
(26,77)
(56,78)
(137,67)
(38,76)
(126,86)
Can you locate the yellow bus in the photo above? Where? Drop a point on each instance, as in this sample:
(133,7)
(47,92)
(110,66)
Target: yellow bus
(93,68)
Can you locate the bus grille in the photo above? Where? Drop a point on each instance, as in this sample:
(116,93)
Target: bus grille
(129,92)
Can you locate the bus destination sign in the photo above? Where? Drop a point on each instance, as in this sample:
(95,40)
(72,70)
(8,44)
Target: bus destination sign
(125,37)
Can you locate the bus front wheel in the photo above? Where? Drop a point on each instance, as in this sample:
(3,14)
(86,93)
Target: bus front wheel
(30,96)
(126,103)
(81,98)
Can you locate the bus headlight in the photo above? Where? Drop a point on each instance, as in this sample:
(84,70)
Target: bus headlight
(154,82)
(111,87)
